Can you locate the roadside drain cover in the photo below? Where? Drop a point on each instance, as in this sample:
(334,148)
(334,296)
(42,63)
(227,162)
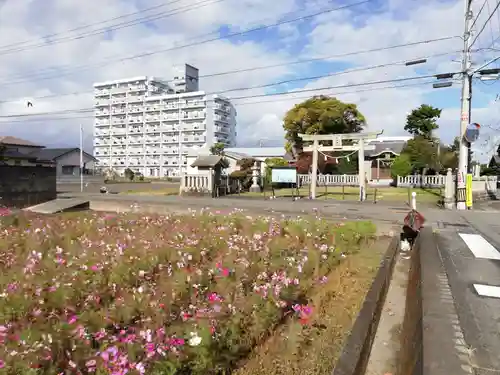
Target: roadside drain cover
(444,225)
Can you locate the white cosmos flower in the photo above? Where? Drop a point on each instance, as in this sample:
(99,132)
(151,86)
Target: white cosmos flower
(195,340)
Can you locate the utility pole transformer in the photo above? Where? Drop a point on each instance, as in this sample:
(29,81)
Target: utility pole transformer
(465,109)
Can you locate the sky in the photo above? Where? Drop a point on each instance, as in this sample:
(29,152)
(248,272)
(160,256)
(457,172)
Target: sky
(50,56)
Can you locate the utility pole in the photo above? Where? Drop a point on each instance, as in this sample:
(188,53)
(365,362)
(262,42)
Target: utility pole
(81,158)
(464,115)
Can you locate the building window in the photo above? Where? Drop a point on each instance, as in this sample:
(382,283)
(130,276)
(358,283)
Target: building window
(67,169)
(17,162)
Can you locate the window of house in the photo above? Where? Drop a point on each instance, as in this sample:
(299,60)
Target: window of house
(67,169)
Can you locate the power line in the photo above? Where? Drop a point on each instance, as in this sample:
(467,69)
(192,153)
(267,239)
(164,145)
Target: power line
(478,14)
(206,41)
(486,23)
(59,69)
(295,62)
(84,110)
(87,26)
(238,104)
(122,25)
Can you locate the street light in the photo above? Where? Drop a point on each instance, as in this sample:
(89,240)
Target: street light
(445,75)
(485,72)
(440,85)
(416,62)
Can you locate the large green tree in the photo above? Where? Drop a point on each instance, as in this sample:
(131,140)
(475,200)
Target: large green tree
(320,115)
(422,121)
(422,153)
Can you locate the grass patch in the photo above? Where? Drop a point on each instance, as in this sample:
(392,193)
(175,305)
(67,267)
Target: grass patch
(162,294)
(350,193)
(170,190)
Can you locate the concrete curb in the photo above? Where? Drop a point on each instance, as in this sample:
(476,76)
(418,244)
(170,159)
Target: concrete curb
(431,340)
(354,356)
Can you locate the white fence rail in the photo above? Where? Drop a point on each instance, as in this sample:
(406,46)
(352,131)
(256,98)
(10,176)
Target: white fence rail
(207,183)
(440,180)
(419,180)
(330,179)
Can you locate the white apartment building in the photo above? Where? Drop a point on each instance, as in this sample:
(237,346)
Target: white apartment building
(149,125)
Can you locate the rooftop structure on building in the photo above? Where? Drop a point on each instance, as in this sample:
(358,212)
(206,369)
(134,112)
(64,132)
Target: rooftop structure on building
(149,125)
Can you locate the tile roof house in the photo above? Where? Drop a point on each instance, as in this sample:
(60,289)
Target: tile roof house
(19,151)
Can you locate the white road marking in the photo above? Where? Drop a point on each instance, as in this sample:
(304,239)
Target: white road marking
(480,247)
(487,290)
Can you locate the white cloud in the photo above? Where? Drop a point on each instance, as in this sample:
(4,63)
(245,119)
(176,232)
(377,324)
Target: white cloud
(393,22)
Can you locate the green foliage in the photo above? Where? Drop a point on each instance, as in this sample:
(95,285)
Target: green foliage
(244,174)
(218,149)
(245,164)
(422,153)
(422,121)
(129,174)
(401,166)
(321,115)
(3,148)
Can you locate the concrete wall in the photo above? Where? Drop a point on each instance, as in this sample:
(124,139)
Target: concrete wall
(23,186)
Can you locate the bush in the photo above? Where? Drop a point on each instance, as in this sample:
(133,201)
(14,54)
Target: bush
(129,174)
(108,294)
(401,166)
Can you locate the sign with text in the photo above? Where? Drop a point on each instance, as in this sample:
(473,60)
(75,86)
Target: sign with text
(284,175)
(468,190)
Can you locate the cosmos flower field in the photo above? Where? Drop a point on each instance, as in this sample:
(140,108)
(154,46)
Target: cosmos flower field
(117,294)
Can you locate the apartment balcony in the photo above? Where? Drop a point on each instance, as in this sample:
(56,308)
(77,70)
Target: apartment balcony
(135,130)
(152,118)
(115,110)
(193,139)
(100,92)
(170,140)
(101,123)
(152,140)
(135,120)
(135,151)
(170,119)
(135,99)
(171,151)
(193,128)
(194,104)
(101,113)
(132,141)
(193,117)
(135,109)
(119,100)
(136,88)
(102,103)
(169,129)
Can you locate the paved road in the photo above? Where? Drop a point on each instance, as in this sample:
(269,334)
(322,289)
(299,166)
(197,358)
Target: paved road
(393,212)
(94,186)
(469,249)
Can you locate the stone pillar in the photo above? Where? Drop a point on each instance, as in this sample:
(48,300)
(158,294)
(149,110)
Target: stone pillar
(255,178)
(477,171)
(183,184)
(449,190)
